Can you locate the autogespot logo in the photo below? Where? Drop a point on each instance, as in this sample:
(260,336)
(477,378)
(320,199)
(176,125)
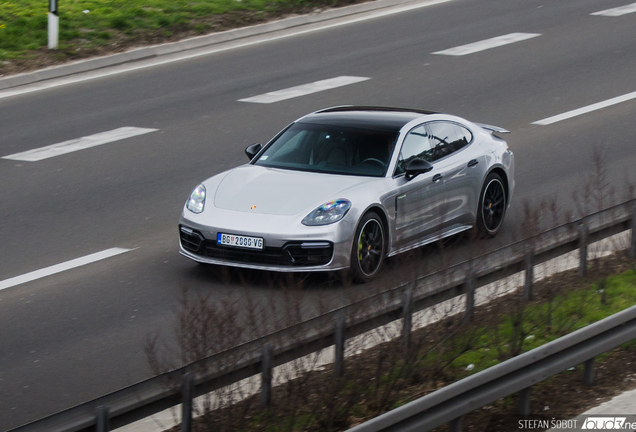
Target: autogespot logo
(604,423)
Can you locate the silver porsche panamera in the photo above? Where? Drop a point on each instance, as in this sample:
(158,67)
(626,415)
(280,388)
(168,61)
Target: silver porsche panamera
(347,187)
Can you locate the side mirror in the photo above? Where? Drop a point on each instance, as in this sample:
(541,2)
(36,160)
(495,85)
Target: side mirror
(417,167)
(253,150)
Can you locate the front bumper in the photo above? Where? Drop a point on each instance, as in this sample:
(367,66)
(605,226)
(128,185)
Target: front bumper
(288,245)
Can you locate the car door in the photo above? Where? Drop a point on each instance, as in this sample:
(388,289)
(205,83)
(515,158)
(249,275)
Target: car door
(462,165)
(419,202)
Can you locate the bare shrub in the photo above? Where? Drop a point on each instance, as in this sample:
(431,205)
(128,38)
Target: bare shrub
(379,370)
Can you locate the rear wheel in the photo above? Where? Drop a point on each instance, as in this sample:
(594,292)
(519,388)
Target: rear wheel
(492,206)
(369,246)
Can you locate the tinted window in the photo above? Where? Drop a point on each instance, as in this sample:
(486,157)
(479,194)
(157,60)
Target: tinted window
(448,137)
(332,149)
(417,145)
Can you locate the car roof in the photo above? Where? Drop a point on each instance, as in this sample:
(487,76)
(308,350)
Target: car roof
(368,117)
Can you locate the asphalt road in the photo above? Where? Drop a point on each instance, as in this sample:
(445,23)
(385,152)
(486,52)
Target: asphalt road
(78,334)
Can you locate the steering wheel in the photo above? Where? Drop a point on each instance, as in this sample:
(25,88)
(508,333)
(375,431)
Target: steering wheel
(374,161)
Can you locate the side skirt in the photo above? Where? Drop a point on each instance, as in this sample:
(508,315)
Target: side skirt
(455,229)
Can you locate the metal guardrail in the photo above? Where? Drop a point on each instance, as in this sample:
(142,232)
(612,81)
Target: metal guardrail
(517,374)
(246,360)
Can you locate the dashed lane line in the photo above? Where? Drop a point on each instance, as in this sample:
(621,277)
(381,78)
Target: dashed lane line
(487,44)
(58,268)
(619,11)
(78,144)
(304,89)
(586,109)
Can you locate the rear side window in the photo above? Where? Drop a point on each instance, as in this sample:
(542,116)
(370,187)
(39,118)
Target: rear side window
(448,137)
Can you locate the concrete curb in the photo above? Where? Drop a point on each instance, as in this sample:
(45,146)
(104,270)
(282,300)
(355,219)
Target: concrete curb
(153,51)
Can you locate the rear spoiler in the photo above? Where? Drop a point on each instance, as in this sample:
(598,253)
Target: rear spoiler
(491,128)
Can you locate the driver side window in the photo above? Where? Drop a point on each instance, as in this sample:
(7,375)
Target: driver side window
(289,151)
(417,145)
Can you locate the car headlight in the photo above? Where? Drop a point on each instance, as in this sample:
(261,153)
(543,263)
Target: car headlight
(196,202)
(328,213)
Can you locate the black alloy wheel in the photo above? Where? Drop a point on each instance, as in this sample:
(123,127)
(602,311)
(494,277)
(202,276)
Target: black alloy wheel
(368,250)
(492,205)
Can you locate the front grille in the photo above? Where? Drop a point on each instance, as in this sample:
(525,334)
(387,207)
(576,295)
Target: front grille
(293,254)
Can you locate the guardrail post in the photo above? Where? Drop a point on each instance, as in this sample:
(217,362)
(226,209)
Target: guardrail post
(103,419)
(524,402)
(529,262)
(266,375)
(407,321)
(456,425)
(339,336)
(187,394)
(588,372)
(632,247)
(470,296)
(583,238)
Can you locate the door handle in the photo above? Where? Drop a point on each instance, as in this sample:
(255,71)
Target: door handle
(472,163)
(437,178)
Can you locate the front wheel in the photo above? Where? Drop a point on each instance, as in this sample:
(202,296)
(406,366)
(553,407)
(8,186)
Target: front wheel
(369,246)
(492,206)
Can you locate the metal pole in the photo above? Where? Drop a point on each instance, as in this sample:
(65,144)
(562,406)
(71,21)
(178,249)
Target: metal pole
(103,419)
(470,296)
(266,375)
(588,372)
(339,336)
(583,234)
(187,394)
(54,25)
(632,247)
(407,321)
(524,402)
(456,425)
(527,288)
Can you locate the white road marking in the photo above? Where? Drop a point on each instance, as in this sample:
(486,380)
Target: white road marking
(623,10)
(303,90)
(487,44)
(78,144)
(77,262)
(586,109)
(216,48)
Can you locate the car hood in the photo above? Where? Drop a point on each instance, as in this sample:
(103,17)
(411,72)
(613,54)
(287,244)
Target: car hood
(264,190)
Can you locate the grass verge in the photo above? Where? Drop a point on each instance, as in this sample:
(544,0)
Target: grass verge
(98,27)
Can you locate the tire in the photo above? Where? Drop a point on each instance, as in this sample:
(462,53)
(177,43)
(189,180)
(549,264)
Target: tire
(369,248)
(492,206)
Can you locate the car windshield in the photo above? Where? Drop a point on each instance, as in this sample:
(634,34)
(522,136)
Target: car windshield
(331,149)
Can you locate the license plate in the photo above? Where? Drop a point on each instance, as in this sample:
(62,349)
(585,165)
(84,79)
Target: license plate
(239,241)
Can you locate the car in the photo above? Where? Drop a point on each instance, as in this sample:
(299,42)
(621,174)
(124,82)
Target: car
(349,186)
